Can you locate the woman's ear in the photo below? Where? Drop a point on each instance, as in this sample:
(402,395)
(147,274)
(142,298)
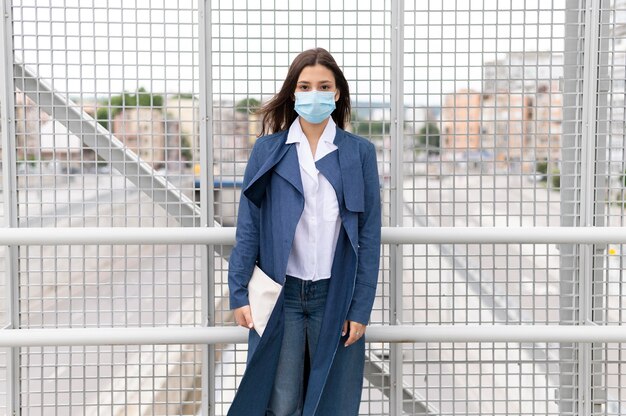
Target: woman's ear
(337,95)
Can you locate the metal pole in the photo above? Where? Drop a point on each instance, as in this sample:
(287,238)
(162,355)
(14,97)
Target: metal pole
(390,235)
(570,179)
(375,333)
(206,204)
(9,190)
(397,183)
(590,204)
(598,391)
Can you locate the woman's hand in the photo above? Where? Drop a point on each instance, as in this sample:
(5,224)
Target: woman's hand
(243,317)
(356,329)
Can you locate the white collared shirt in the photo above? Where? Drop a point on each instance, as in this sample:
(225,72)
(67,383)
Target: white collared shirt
(314,243)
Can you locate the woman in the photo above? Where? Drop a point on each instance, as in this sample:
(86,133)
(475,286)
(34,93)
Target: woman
(309,217)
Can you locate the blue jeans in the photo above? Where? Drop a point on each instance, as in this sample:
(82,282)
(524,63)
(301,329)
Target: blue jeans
(304,311)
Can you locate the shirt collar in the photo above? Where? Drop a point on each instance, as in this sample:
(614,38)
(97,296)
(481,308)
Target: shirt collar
(296,135)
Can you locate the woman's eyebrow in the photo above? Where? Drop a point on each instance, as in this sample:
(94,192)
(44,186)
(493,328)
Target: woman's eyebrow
(326,81)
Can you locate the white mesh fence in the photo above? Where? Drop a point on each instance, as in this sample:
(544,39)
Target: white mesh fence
(483,114)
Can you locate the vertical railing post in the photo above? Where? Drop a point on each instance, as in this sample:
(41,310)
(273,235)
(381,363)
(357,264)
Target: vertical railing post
(9,191)
(396,220)
(592,144)
(596,197)
(206,203)
(570,183)
(582,173)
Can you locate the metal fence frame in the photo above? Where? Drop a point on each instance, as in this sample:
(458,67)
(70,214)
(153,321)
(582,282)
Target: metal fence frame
(9,198)
(585,236)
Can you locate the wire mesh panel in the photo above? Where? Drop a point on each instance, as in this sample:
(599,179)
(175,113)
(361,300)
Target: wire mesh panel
(119,286)
(3,298)
(483,118)
(608,291)
(4,318)
(482,148)
(105,108)
(481,284)
(3,381)
(107,134)
(613,53)
(4,321)
(121,380)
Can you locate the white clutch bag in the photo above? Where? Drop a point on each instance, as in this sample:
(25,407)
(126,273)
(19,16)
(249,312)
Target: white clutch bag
(263,293)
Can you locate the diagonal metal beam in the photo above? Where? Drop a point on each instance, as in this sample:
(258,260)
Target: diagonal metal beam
(378,375)
(108,147)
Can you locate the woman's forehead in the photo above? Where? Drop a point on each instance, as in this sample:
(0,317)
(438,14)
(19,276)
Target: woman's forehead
(316,73)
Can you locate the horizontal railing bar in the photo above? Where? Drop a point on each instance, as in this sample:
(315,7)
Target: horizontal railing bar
(375,333)
(390,235)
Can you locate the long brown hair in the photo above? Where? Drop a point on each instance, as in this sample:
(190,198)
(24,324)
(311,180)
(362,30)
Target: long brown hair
(278,113)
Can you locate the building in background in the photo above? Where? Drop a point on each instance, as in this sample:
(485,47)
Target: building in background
(185,109)
(461,122)
(142,129)
(515,120)
(27,128)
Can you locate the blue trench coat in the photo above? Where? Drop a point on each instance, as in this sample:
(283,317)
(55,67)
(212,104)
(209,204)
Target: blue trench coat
(271,204)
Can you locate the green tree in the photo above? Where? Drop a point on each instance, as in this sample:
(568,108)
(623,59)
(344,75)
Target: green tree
(555,179)
(541,167)
(428,137)
(117,103)
(368,128)
(103,116)
(185,149)
(184,96)
(248,105)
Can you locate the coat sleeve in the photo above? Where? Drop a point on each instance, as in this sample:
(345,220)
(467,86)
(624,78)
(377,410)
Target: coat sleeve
(246,249)
(369,243)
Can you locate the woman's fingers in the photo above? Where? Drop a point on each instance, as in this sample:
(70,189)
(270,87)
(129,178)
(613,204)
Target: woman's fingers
(357,330)
(243,317)
(248,316)
(344,329)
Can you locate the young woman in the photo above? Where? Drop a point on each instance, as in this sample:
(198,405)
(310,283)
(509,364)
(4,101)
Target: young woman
(309,217)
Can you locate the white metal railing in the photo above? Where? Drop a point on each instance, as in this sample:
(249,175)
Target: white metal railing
(390,235)
(393,334)
(375,333)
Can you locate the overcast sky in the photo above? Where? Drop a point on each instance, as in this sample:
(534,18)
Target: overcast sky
(82,49)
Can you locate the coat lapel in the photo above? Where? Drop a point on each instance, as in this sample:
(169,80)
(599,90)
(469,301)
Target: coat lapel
(289,167)
(329,167)
(289,170)
(351,173)
(343,171)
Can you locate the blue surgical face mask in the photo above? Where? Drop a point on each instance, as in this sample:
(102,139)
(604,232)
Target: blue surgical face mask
(315,106)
